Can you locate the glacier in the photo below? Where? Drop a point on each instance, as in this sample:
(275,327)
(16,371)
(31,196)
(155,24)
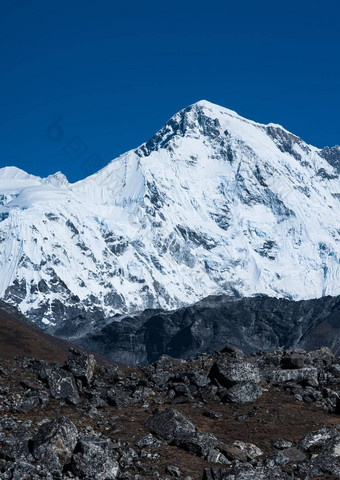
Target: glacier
(212,204)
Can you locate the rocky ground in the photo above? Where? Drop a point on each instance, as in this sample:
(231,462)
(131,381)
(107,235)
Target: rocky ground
(227,416)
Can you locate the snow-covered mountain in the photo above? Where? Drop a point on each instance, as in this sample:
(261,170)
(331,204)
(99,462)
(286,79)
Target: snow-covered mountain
(213,203)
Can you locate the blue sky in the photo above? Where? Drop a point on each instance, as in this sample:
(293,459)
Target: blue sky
(113,74)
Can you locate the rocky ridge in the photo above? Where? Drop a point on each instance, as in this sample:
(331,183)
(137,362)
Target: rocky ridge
(226,416)
(207,326)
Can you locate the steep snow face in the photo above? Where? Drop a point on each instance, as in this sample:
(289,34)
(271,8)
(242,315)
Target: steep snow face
(213,203)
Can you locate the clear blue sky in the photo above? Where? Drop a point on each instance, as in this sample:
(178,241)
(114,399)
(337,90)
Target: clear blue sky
(116,71)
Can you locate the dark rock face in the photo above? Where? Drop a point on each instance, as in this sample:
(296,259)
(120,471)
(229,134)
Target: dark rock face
(54,443)
(248,323)
(285,141)
(332,155)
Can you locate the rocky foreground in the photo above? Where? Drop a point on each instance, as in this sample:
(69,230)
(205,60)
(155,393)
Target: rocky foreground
(227,416)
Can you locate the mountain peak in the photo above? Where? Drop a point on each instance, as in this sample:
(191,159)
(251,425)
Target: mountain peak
(13,172)
(58,179)
(206,103)
(212,107)
(212,203)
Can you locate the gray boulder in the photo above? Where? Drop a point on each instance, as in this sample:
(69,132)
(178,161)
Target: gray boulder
(243,392)
(82,365)
(293,359)
(281,443)
(324,440)
(168,424)
(95,459)
(196,443)
(62,385)
(279,376)
(54,443)
(120,398)
(321,356)
(228,371)
(15,445)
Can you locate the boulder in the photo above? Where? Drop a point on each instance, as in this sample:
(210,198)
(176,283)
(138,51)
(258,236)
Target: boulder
(319,439)
(281,443)
(321,356)
(62,385)
(168,424)
(119,398)
(295,359)
(15,445)
(243,392)
(241,451)
(287,455)
(196,443)
(95,459)
(279,376)
(228,371)
(81,365)
(54,443)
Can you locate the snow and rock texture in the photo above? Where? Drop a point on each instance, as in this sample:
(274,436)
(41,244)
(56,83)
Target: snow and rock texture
(213,203)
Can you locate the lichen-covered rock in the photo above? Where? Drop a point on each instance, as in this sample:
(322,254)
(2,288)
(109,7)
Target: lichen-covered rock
(241,451)
(81,364)
(280,376)
(54,443)
(168,424)
(120,398)
(228,371)
(62,385)
(196,443)
(243,392)
(95,459)
(22,470)
(326,439)
(15,445)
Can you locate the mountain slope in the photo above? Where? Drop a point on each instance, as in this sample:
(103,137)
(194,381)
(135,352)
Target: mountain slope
(259,323)
(19,337)
(213,203)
